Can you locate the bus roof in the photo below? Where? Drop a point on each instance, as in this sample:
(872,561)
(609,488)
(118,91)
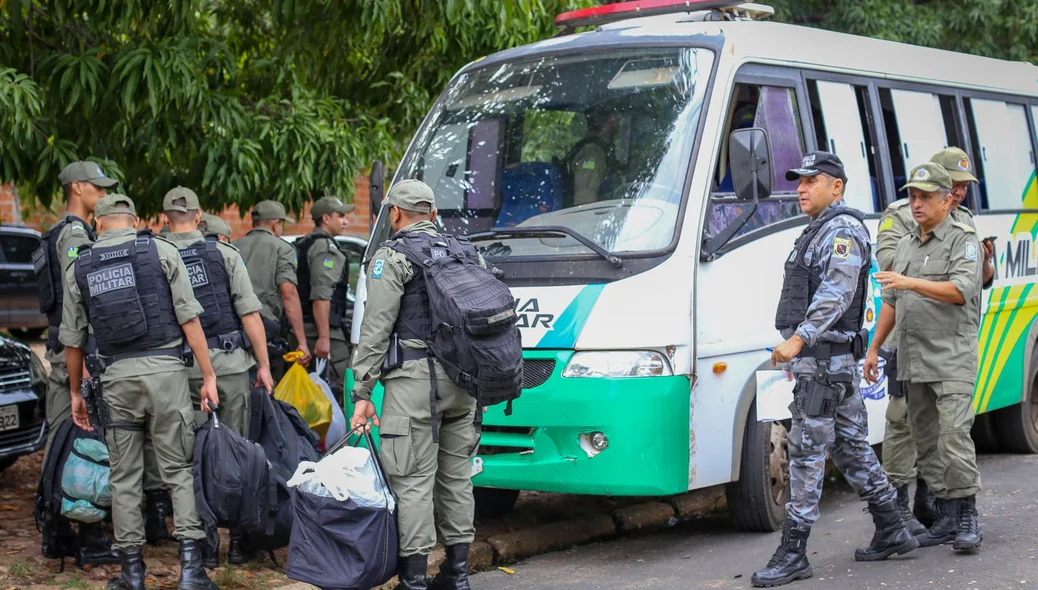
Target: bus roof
(782,44)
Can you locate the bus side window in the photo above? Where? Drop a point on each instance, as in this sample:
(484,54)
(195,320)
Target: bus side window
(773,108)
(842,126)
(916,125)
(1002,153)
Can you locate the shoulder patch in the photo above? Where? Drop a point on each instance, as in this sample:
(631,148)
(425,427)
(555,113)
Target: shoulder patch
(841,247)
(964,227)
(376,269)
(328,263)
(971,251)
(886,223)
(73,252)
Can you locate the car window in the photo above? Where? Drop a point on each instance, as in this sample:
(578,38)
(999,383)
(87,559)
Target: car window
(16,249)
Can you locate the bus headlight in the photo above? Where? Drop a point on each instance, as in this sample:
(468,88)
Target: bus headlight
(618,363)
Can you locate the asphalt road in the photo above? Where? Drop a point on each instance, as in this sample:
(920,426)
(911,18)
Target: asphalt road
(710,554)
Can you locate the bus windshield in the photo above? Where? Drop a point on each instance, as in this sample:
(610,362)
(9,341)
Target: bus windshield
(597,144)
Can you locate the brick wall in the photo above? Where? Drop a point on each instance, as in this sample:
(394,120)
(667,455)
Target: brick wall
(40,218)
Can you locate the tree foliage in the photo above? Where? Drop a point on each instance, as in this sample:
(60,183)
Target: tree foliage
(241,100)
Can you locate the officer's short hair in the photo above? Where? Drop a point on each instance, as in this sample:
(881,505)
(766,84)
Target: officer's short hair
(181,216)
(831,178)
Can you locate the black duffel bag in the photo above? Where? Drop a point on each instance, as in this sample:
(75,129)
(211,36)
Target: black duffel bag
(340,545)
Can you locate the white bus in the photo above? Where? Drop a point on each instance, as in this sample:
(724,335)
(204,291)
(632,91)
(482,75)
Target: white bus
(593,169)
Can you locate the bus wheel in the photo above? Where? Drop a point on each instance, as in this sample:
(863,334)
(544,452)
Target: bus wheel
(983,433)
(757,501)
(494,503)
(1017,426)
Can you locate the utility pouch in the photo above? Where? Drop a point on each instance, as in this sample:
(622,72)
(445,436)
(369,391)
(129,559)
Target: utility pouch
(860,344)
(188,354)
(820,395)
(394,356)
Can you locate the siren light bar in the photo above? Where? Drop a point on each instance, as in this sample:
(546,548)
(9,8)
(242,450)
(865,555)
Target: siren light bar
(600,15)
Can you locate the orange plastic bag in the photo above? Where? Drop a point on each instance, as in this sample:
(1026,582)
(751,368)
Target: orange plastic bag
(306,397)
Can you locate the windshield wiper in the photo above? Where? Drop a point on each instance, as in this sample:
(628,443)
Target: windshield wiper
(546,231)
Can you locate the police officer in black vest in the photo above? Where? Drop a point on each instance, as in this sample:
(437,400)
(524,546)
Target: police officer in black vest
(134,292)
(820,314)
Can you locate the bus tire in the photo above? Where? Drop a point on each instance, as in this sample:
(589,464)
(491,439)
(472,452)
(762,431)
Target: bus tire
(757,500)
(983,433)
(1017,426)
(494,503)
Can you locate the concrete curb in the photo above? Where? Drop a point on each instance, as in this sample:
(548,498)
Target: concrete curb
(511,547)
(651,515)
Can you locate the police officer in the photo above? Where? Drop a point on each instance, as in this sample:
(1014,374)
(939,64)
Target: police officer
(425,474)
(211,225)
(230,320)
(323,277)
(933,295)
(590,157)
(821,314)
(899,454)
(84,183)
(134,292)
(272,269)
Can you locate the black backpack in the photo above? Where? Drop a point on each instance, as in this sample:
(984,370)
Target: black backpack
(234,483)
(286,440)
(472,317)
(49,495)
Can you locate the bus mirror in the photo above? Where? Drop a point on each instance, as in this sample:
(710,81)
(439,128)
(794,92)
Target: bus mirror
(751,163)
(375,184)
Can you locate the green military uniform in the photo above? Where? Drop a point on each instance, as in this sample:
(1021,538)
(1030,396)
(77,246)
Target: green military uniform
(151,390)
(271,262)
(59,401)
(899,453)
(328,266)
(937,352)
(425,475)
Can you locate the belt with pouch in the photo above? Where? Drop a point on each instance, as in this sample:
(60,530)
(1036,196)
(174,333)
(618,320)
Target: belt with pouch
(828,350)
(229,342)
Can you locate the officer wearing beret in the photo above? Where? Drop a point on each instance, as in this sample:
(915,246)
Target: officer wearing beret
(425,473)
(933,294)
(84,183)
(899,454)
(323,277)
(133,292)
(820,314)
(272,269)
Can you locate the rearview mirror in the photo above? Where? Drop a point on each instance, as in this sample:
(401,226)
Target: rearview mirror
(750,155)
(375,184)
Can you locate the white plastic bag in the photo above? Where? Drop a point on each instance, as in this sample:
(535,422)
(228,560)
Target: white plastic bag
(337,429)
(350,473)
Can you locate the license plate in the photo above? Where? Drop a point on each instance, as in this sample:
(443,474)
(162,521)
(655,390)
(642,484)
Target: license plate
(8,418)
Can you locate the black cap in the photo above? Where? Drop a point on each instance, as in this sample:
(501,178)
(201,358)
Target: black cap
(815,163)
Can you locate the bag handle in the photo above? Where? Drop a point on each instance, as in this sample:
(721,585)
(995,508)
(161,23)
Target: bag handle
(319,367)
(379,469)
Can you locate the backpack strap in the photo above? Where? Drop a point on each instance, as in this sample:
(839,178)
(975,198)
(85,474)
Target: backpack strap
(272,500)
(205,512)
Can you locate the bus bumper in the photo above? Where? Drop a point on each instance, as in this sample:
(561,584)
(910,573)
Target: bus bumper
(545,445)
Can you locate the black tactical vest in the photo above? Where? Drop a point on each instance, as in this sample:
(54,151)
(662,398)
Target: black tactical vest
(212,286)
(337,317)
(46,261)
(801,281)
(127,296)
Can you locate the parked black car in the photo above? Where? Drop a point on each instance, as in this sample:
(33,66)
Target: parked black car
(19,300)
(23,391)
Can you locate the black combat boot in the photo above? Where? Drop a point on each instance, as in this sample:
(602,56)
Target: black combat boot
(192,574)
(925,503)
(911,522)
(968,535)
(891,535)
(94,547)
(411,572)
(454,572)
(58,539)
(789,563)
(159,506)
(240,551)
(943,529)
(132,576)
